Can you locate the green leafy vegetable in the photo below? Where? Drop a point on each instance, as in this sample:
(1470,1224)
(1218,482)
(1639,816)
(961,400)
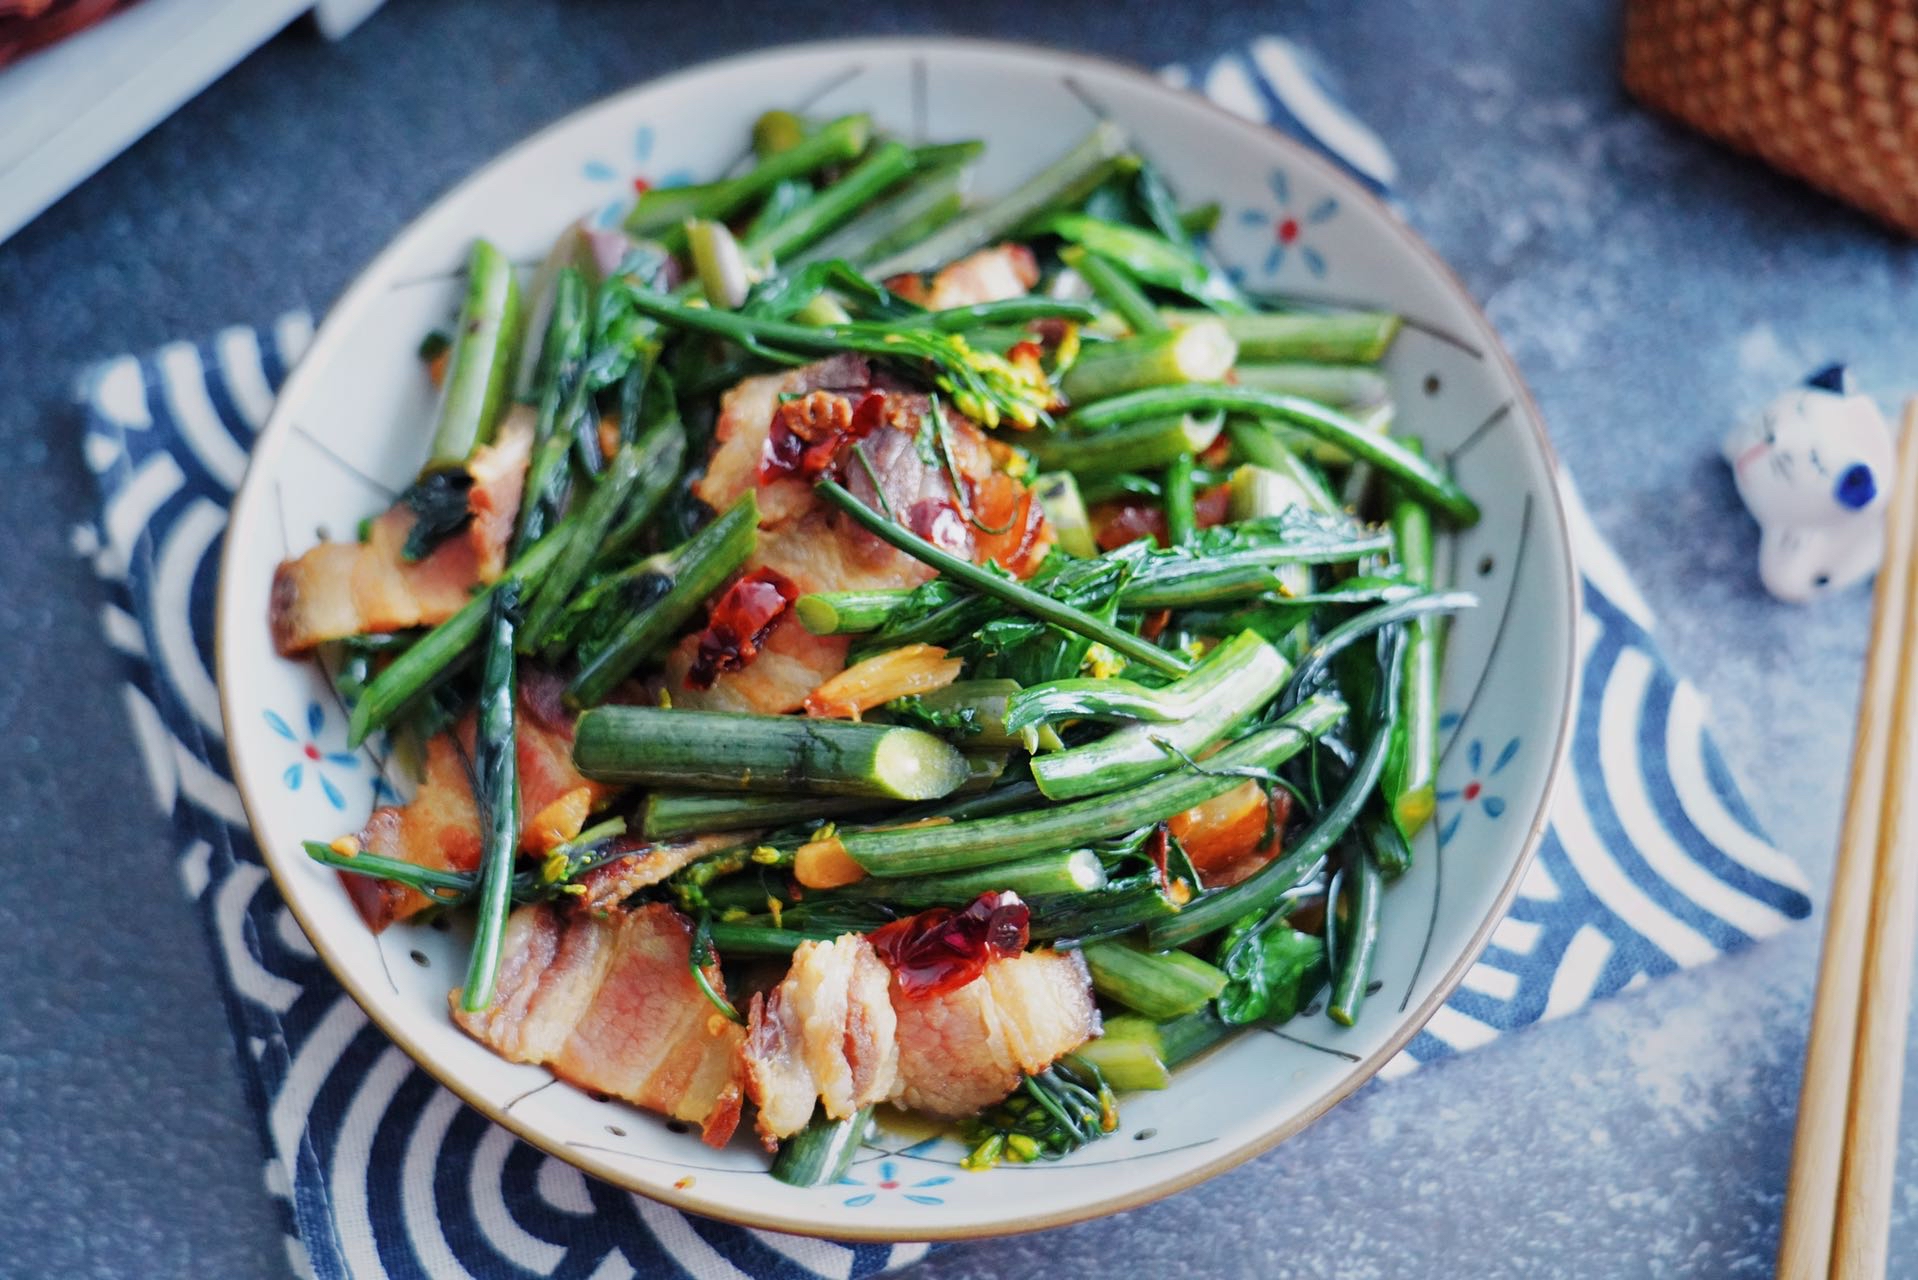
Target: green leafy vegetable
(1271,971)
(621,334)
(1149,257)
(963,720)
(780,297)
(438,503)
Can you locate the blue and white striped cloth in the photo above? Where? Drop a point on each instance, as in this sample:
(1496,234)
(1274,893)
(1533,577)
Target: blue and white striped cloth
(1653,861)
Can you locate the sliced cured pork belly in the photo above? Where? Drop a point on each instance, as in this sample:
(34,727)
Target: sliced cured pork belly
(341,589)
(607,1001)
(439,827)
(768,429)
(965,1050)
(745,420)
(777,432)
(825,1034)
(814,552)
(646,864)
(839,1030)
(992,274)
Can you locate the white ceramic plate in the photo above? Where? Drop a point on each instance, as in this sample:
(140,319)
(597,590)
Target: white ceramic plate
(349,429)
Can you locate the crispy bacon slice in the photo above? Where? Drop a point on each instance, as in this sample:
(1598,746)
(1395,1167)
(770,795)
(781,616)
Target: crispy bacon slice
(643,864)
(816,549)
(1120,521)
(791,664)
(801,540)
(1016,534)
(991,274)
(965,1050)
(439,827)
(813,552)
(807,433)
(607,1001)
(1232,835)
(340,589)
(908,482)
(825,1033)
(840,1029)
(745,420)
(777,432)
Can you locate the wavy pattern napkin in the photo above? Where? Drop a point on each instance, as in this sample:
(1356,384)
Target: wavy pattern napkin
(1653,861)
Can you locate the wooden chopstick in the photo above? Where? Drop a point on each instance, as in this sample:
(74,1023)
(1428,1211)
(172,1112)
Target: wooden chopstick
(1838,1200)
(1884,1004)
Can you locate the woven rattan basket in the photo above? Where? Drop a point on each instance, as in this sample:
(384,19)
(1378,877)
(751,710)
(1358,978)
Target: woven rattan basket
(1823,89)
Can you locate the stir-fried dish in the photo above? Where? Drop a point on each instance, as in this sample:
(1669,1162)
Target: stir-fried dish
(854,647)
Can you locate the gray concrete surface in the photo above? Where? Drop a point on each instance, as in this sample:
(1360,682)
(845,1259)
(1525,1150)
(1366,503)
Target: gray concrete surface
(1651,287)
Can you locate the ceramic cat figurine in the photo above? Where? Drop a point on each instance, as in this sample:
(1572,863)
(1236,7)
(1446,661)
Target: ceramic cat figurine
(1813,468)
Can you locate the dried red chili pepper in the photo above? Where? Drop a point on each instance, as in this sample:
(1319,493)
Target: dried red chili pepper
(808,430)
(740,621)
(942,950)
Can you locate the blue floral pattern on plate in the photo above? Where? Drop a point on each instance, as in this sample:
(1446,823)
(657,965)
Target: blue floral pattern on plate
(598,170)
(1476,792)
(889,1183)
(312,756)
(1290,227)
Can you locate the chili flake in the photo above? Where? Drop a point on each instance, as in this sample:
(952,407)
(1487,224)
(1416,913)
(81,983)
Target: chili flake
(740,621)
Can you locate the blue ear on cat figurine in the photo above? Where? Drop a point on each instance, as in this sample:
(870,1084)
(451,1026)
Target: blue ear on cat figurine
(1835,378)
(1812,468)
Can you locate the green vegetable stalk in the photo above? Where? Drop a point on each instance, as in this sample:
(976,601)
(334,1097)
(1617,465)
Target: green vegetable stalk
(1269,885)
(596,517)
(717,750)
(1010,592)
(884,166)
(1233,682)
(1142,444)
(1410,785)
(562,395)
(1417,476)
(980,842)
(1112,286)
(673,584)
(1201,352)
(1338,337)
(1358,935)
(997,220)
(496,788)
(441,650)
(1160,984)
(661,211)
(821,1153)
(481,366)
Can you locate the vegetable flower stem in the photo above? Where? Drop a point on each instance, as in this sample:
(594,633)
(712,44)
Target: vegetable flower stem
(1016,594)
